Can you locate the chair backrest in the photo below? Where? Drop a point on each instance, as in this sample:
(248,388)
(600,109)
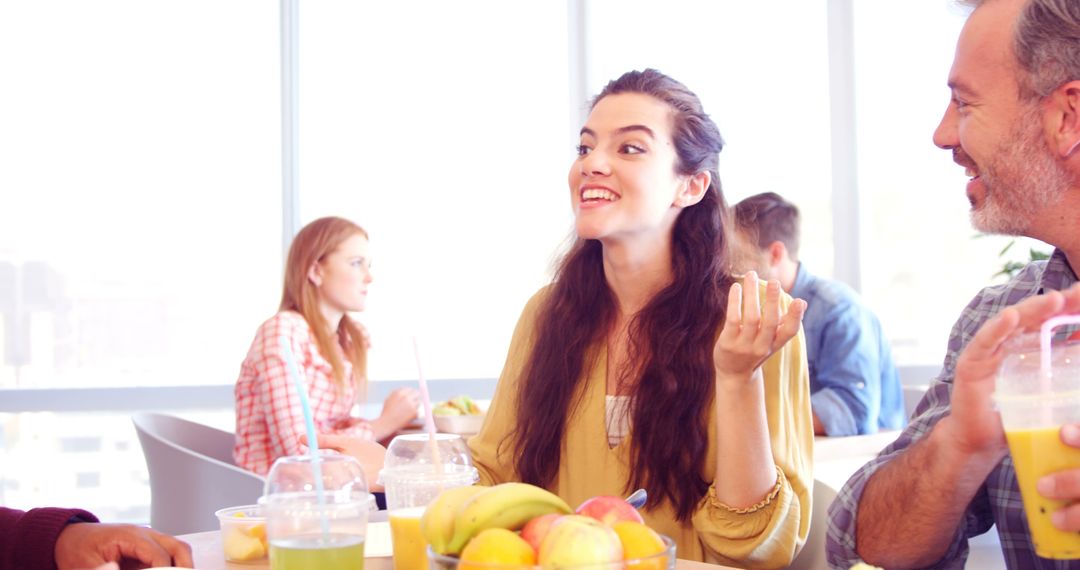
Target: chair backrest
(812,556)
(191,473)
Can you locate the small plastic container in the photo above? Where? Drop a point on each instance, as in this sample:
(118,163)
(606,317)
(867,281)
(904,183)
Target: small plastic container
(243,533)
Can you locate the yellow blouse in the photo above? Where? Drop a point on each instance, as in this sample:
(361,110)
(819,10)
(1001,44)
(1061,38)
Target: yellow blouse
(768,536)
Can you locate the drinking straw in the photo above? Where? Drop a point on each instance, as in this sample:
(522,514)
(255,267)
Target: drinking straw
(1045,364)
(1045,340)
(429,417)
(309,424)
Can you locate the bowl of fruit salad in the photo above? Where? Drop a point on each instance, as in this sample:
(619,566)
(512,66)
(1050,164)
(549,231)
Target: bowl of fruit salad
(460,415)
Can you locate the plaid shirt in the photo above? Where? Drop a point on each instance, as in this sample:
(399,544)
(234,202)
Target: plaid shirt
(998,500)
(269,418)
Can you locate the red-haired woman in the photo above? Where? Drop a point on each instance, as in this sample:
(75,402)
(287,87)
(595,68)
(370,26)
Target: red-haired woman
(645,363)
(326,276)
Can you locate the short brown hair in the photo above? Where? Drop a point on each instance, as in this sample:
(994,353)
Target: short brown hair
(768,217)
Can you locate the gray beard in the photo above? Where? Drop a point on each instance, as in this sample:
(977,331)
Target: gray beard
(1023,180)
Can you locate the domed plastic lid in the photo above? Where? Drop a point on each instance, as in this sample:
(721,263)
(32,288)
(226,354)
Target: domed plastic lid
(414,455)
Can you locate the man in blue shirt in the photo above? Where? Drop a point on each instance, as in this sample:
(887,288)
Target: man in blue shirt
(854,385)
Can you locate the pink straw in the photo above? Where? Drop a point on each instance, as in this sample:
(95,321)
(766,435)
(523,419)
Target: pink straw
(1045,339)
(429,417)
(1045,365)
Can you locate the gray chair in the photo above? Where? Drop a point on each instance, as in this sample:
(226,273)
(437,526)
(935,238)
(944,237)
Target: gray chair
(192,473)
(812,556)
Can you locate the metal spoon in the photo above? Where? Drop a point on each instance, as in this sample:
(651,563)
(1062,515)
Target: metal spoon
(637,498)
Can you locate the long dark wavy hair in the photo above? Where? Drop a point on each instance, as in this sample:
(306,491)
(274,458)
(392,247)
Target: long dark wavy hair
(671,338)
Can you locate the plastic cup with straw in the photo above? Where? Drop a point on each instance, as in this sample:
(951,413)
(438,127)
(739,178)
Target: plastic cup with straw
(1036,395)
(316,505)
(417,469)
(309,425)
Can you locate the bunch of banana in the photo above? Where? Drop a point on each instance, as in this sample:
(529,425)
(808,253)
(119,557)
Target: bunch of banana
(459,514)
(437,523)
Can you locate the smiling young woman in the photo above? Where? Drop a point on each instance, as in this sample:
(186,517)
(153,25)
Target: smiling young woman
(645,363)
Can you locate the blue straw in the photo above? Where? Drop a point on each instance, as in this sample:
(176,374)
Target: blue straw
(309,423)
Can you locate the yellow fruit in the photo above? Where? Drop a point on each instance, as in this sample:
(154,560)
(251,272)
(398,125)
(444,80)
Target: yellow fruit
(640,541)
(239,546)
(257,530)
(437,522)
(496,546)
(507,506)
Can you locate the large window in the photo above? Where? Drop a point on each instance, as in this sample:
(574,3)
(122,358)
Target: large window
(450,145)
(761,71)
(921,259)
(139,161)
(140,239)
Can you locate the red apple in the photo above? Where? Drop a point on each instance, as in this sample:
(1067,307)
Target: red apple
(575,540)
(536,529)
(609,510)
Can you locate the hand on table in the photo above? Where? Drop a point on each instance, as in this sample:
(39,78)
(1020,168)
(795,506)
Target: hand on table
(751,332)
(90,545)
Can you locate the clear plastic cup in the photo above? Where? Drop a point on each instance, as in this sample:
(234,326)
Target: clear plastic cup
(316,512)
(1033,407)
(414,473)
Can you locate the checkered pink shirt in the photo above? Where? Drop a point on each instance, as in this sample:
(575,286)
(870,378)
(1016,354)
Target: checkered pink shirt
(269,418)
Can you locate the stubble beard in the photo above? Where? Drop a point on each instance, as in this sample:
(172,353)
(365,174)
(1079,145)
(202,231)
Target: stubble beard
(1023,180)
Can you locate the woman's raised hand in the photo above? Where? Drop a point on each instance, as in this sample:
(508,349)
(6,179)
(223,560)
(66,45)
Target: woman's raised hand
(752,331)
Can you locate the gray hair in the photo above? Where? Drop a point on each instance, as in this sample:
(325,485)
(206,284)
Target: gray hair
(1047,44)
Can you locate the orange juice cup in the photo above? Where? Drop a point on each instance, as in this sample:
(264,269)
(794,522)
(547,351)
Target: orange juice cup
(1035,401)
(414,473)
(408,542)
